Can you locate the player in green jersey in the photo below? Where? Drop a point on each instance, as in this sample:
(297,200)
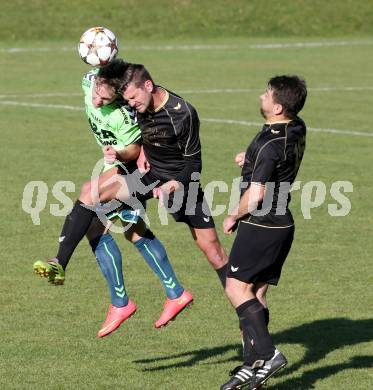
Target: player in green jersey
(173,141)
(114,126)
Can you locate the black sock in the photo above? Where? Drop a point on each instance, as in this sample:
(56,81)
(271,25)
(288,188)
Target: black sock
(75,227)
(222,274)
(247,346)
(252,321)
(266,315)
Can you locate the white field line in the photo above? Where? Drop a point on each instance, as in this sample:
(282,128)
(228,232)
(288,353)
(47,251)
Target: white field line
(40,105)
(250,90)
(314,129)
(40,95)
(285,45)
(192,91)
(211,120)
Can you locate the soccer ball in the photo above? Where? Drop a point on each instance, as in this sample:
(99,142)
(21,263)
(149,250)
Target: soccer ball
(98,46)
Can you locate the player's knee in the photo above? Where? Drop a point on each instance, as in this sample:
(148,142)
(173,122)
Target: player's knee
(94,234)
(229,290)
(134,232)
(131,236)
(261,298)
(85,192)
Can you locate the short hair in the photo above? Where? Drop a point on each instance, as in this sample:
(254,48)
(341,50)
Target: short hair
(290,92)
(112,73)
(135,74)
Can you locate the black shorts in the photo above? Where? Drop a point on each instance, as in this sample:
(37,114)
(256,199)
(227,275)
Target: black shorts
(258,253)
(190,208)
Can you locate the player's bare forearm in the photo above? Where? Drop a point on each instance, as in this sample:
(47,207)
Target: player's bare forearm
(248,203)
(129,153)
(249,200)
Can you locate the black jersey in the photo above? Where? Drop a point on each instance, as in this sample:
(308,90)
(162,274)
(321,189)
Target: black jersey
(171,139)
(273,159)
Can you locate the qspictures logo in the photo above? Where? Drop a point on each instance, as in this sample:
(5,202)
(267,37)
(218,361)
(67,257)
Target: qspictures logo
(313,194)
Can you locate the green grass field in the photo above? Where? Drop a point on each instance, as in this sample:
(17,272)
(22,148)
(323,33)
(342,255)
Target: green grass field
(321,313)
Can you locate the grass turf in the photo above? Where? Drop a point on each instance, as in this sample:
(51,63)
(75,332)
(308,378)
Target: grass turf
(320,313)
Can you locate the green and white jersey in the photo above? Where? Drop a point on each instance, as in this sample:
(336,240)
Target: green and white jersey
(114,124)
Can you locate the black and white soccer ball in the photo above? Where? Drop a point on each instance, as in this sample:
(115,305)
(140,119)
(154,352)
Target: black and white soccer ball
(98,46)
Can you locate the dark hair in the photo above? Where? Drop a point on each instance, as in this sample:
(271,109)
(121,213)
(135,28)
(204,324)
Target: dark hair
(290,92)
(136,74)
(118,74)
(112,73)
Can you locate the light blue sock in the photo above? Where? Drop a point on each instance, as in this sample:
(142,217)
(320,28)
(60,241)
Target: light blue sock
(155,255)
(109,259)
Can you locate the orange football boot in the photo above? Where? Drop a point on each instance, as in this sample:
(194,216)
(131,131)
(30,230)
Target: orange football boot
(173,307)
(115,316)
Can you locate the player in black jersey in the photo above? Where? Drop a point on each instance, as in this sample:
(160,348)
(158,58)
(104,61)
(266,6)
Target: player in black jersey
(172,149)
(117,132)
(265,226)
